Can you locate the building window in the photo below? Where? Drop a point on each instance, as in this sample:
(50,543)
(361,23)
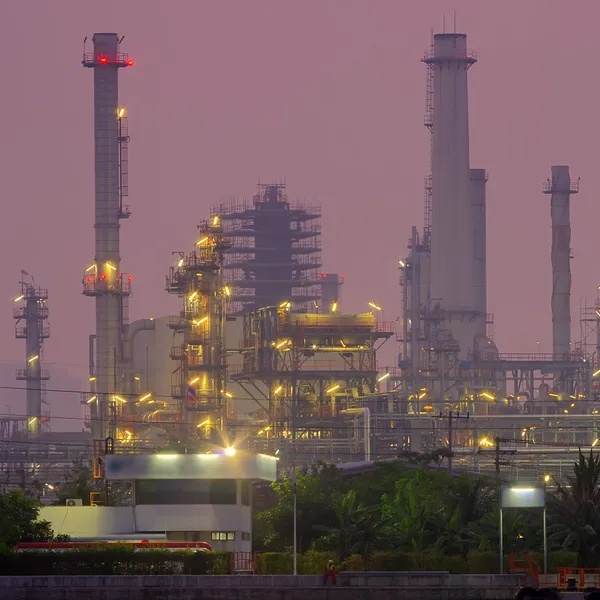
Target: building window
(246,490)
(222,536)
(245,536)
(185,491)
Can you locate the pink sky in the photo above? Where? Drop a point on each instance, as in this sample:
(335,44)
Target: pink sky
(326,93)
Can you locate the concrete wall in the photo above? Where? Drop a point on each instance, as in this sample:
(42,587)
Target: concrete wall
(383,586)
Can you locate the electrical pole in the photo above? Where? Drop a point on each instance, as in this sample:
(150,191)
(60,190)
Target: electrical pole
(450,443)
(497,459)
(451,416)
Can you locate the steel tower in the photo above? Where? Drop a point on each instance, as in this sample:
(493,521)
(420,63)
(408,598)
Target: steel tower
(103,279)
(198,380)
(31,307)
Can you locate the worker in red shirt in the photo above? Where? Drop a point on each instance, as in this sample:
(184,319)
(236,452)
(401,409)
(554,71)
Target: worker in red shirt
(329,572)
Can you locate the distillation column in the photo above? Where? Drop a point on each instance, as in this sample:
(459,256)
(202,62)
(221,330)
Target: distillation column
(32,309)
(103,279)
(560,188)
(452,269)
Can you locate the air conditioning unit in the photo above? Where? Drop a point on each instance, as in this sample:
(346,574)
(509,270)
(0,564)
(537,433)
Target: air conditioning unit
(74,502)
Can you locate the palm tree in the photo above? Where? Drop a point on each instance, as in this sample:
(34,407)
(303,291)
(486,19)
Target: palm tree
(575,510)
(357,527)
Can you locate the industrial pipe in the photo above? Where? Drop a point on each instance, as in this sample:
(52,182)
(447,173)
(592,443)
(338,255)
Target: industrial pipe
(367,434)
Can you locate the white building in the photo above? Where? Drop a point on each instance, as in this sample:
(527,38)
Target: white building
(177,497)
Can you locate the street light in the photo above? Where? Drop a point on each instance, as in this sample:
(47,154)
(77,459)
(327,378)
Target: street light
(523,496)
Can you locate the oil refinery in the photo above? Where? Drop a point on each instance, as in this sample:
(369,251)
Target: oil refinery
(261,355)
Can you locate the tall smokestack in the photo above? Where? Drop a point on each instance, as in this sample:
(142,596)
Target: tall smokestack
(452,269)
(478,181)
(103,279)
(561,188)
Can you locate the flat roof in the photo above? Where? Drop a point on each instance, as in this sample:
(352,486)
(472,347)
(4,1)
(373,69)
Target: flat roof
(242,465)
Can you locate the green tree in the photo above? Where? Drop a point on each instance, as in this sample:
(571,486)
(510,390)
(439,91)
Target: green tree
(19,520)
(78,483)
(575,510)
(357,531)
(314,488)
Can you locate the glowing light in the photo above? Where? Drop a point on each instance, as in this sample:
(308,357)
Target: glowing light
(202,320)
(92,378)
(594,442)
(281,344)
(145,397)
(402,264)
(92,399)
(334,307)
(121,113)
(487,395)
(103,60)
(192,296)
(118,398)
(283,304)
(547,478)
(215,220)
(50,487)
(522,490)
(195,380)
(180,263)
(596,373)
(278,390)
(422,395)
(332,389)
(229,395)
(130,63)
(205,422)
(230,451)
(384,376)
(33,358)
(90,268)
(485,442)
(373,305)
(111,267)
(32,420)
(200,242)
(19,298)
(227,291)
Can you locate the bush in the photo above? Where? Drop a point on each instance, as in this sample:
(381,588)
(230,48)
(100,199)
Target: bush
(452,564)
(314,563)
(115,560)
(394,561)
(206,563)
(274,563)
(354,562)
(484,562)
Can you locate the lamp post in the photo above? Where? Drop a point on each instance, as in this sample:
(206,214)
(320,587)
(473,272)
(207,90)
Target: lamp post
(521,495)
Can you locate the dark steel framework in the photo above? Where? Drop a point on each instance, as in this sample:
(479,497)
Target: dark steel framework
(275,253)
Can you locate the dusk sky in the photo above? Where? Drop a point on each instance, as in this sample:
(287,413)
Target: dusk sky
(328,94)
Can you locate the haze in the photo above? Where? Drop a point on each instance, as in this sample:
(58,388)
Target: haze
(328,94)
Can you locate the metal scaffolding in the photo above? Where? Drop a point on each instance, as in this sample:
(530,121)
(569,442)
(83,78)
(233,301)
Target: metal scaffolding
(198,380)
(314,375)
(275,252)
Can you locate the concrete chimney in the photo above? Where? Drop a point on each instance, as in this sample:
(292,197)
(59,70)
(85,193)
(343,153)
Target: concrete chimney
(452,264)
(560,188)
